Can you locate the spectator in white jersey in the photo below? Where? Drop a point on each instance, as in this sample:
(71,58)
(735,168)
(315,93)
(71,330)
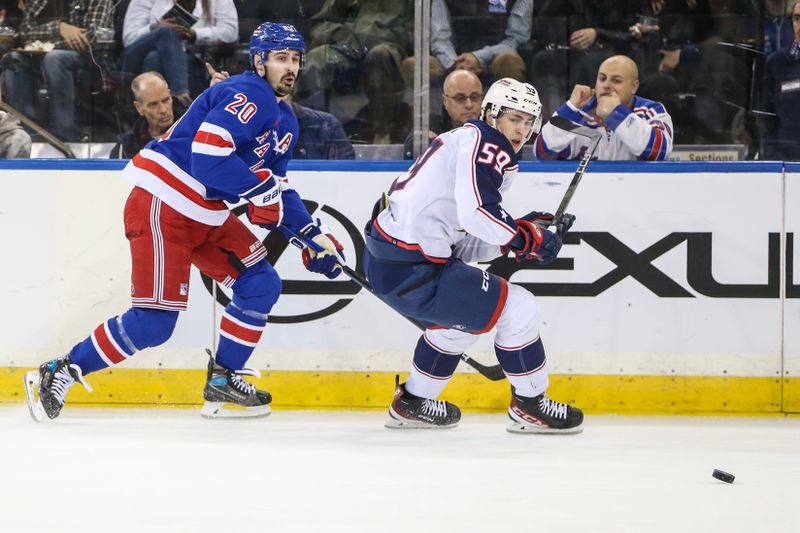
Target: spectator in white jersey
(634,127)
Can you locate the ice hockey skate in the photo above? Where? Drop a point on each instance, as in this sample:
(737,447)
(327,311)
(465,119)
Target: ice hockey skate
(543,415)
(228,395)
(412,412)
(46,388)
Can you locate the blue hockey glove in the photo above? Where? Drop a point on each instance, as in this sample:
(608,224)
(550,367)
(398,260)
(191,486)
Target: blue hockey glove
(320,255)
(532,243)
(563,225)
(542,219)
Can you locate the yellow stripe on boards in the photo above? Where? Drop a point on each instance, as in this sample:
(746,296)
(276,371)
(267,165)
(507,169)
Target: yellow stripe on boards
(373,390)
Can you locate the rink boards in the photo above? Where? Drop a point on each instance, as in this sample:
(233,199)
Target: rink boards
(677,291)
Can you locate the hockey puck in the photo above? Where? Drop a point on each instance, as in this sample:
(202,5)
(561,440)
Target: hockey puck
(722,476)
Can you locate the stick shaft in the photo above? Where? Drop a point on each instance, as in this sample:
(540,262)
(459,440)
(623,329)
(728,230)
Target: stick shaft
(576,179)
(493,373)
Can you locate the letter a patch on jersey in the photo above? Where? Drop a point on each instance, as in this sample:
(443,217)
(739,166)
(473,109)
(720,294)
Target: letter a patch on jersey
(283,144)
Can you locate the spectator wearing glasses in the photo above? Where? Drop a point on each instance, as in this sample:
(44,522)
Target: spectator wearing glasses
(780,133)
(461,100)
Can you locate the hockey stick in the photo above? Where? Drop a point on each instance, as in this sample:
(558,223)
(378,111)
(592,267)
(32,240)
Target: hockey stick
(584,131)
(492,373)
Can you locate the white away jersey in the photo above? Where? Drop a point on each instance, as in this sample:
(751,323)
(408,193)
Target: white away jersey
(448,202)
(643,132)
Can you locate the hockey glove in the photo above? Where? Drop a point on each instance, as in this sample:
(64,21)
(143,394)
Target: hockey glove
(544,220)
(563,225)
(265,207)
(532,243)
(320,255)
(540,218)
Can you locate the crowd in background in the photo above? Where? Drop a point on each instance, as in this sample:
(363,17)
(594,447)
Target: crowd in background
(728,71)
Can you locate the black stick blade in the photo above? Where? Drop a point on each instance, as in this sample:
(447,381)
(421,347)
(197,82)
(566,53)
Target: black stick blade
(492,373)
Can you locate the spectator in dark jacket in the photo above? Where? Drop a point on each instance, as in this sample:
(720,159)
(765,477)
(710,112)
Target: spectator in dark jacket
(461,99)
(780,133)
(153,102)
(321,136)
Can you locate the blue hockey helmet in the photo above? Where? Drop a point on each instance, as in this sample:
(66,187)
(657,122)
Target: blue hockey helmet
(275,36)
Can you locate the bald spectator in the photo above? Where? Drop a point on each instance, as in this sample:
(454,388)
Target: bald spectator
(461,99)
(633,127)
(153,102)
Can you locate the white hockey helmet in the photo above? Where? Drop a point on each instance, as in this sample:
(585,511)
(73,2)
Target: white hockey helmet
(508,93)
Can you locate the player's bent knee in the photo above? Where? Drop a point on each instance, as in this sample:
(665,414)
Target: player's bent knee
(450,341)
(519,321)
(147,327)
(258,288)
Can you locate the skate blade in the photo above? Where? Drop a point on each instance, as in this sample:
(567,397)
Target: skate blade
(31,380)
(394,423)
(517,427)
(230,410)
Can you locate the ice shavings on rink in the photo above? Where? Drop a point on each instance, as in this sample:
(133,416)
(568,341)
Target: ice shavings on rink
(119,470)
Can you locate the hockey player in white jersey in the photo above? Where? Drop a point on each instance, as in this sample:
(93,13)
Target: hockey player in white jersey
(634,128)
(443,213)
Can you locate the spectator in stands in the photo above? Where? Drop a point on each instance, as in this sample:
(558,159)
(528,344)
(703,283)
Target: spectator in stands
(10,13)
(461,99)
(165,45)
(153,102)
(15,143)
(777,25)
(780,131)
(478,36)
(573,37)
(360,44)
(633,127)
(708,50)
(321,134)
(675,24)
(69,26)
(295,12)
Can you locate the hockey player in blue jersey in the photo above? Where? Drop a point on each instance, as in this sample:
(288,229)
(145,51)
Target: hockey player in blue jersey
(444,212)
(233,144)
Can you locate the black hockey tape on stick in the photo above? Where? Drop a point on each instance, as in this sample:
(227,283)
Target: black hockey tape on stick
(492,373)
(584,131)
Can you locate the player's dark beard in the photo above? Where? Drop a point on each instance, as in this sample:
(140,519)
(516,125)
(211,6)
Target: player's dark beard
(284,90)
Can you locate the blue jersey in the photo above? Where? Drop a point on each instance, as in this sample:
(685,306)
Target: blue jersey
(210,155)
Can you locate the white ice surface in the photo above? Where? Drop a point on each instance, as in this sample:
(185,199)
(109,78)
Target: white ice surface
(171,471)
